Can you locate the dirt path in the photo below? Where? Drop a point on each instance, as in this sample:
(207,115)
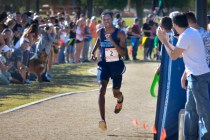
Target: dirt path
(76,117)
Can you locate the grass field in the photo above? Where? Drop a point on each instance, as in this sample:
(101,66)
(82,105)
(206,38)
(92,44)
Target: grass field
(67,78)
(129,21)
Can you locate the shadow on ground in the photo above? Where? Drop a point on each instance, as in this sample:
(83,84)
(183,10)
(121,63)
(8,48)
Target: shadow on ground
(65,76)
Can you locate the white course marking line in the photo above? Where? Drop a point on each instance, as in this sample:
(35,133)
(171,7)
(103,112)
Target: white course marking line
(50,98)
(45,99)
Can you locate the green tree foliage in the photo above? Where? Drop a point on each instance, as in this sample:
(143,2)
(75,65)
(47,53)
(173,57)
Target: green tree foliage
(111,4)
(180,4)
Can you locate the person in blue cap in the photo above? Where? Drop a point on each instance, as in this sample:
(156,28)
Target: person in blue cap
(136,34)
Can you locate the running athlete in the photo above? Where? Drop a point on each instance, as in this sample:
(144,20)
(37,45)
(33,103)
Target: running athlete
(111,42)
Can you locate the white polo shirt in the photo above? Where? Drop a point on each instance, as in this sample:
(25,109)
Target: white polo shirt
(194,55)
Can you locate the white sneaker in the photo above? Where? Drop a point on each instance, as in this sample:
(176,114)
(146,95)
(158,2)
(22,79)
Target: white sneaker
(27,81)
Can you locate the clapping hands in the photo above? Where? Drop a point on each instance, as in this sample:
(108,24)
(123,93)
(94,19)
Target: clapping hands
(162,35)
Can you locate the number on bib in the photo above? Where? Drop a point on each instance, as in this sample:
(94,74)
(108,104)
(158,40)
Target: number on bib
(111,54)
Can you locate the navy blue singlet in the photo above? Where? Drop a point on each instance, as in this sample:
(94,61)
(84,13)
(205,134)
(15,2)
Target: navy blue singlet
(106,45)
(110,65)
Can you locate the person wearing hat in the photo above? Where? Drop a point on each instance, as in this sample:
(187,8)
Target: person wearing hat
(5,65)
(136,33)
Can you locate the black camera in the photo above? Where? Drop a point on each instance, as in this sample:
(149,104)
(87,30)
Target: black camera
(47,28)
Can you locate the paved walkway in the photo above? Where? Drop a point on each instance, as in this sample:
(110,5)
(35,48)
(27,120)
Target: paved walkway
(75,117)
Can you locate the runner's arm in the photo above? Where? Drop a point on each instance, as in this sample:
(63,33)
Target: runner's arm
(97,43)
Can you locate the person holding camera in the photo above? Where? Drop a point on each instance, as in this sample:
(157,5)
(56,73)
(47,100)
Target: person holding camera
(47,37)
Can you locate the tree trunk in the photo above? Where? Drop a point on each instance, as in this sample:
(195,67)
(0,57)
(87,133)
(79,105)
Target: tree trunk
(89,8)
(68,3)
(129,6)
(37,6)
(53,3)
(28,4)
(139,9)
(201,13)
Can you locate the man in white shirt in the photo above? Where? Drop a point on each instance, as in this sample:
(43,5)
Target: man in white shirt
(204,33)
(190,45)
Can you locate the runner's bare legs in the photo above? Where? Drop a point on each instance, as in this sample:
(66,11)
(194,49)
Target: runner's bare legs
(101,102)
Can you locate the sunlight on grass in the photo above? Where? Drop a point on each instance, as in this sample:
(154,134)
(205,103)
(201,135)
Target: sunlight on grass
(67,78)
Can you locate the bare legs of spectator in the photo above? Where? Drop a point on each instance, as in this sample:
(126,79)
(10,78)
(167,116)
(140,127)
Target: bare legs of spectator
(85,51)
(50,62)
(78,52)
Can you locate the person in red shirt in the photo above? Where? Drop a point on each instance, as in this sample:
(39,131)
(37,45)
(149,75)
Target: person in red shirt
(136,34)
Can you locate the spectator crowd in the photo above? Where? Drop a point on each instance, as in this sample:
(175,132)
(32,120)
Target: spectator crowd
(63,39)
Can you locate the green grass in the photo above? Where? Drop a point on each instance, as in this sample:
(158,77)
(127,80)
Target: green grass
(129,21)
(67,78)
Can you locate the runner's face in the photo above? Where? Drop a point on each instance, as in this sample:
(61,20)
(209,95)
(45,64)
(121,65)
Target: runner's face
(107,21)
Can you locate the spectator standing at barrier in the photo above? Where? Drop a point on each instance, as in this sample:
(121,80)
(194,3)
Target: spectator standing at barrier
(45,42)
(112,47)
(190,45)
(146,37)
(87,40)
(93,30)
(63,37)
(122,26)
(136,34)
(153,26)
(55,44)
(71,46)
(79,40)
(128,41)
(205,34)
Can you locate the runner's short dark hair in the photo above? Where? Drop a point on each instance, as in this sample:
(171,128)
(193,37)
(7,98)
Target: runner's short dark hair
(107,13)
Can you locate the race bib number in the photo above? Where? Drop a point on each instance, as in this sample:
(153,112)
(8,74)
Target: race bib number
(111,55)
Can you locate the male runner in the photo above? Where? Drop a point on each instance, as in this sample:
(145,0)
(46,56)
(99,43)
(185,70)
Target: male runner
(112,47)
